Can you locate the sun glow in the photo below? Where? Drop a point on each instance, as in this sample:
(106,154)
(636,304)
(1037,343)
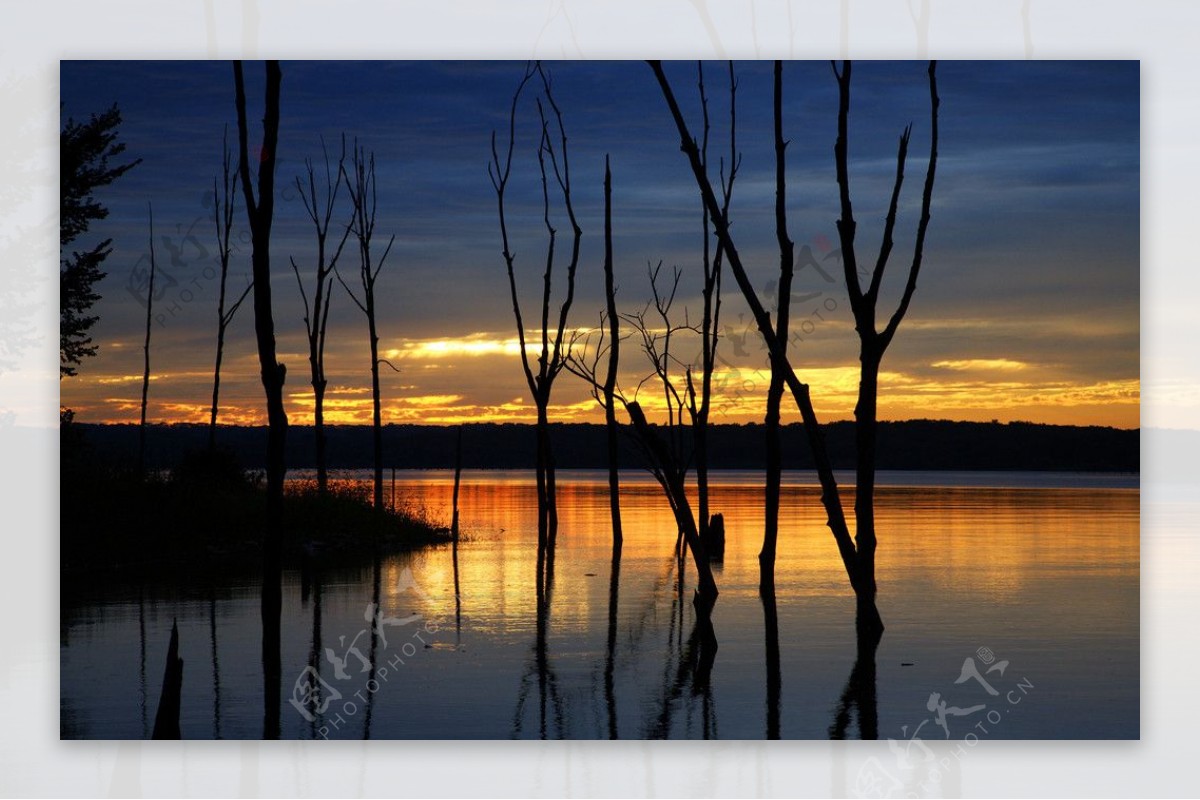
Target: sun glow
(982,364)
(476,378)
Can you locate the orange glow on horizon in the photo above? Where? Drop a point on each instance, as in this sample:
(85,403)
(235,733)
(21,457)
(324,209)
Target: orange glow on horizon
(478,377)
(738,397)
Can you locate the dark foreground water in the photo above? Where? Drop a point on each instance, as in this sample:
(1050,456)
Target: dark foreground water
(1010,599)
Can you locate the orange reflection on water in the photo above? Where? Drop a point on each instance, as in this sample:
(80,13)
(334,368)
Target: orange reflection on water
(936,544)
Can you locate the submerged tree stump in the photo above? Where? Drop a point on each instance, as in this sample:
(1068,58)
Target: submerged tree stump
(714,538)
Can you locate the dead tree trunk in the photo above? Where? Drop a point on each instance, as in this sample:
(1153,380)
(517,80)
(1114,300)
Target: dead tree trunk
(662,456)
(671,477)
(146,356)
(376,411)
(610,378)
(830,498)
(552,161)
(259,213)
(774,674)
(547,467)
(223,219)
(700,408)
(873,342)
(316,318)
(766,558)
(859,571)
(362,188)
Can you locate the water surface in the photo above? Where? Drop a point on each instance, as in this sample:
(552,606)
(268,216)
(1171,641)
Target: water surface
(1032,576)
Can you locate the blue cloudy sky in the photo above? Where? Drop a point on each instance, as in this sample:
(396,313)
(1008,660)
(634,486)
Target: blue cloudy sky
(1027,306)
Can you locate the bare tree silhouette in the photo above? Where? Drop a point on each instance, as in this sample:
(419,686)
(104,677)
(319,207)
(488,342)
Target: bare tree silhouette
(610,379)
(146,353)
(663,455)
(659,329)
(552,357)
(259,212)
(316,317)
(223,218)
(872,342)
(584,357)
(363,195)
(774,673)
(699,407)
(858,561)
(774,476)
(664,458)
(670,474)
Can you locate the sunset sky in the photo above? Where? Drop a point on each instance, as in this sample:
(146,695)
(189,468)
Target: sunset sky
(1027,308)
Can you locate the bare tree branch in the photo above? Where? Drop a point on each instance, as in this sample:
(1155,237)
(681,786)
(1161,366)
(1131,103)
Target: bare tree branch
(303,296)
(363,189)
(233,309)
(926,199)
(885,248)
(499,175)
(829,496)
(338,274)
(551,359)
(846,224)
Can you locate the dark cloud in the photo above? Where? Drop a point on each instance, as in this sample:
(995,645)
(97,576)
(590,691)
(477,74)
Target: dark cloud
(1035,214)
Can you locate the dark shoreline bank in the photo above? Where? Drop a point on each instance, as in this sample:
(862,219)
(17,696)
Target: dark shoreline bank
(911,445)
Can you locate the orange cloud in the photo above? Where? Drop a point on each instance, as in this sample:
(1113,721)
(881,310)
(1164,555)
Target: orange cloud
(981,364)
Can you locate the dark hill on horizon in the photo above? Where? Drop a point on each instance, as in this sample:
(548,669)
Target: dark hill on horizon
(911,445)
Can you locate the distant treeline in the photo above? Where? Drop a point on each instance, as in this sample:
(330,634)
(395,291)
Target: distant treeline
(915,444)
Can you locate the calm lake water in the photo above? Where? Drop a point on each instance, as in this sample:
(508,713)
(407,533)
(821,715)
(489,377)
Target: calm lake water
(1012,597)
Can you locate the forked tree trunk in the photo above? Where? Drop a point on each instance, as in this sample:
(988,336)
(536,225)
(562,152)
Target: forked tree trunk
(868,622)
(223,217)
(363,196)
(553,356)
(316,318)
